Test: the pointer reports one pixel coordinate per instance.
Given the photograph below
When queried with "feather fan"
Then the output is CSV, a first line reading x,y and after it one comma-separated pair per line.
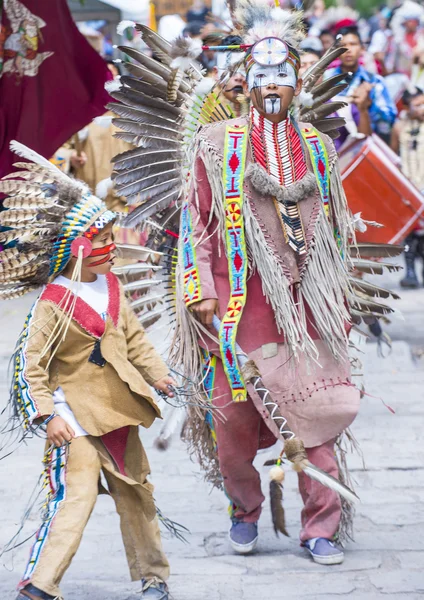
x,y
365,287
139,214
368,250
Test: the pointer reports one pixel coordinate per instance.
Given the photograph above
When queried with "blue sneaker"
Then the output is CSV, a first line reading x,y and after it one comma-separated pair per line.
x,y
243,536
324,552
154,589
33,593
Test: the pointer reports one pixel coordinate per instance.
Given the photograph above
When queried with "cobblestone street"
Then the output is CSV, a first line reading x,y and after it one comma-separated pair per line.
x,y
386,560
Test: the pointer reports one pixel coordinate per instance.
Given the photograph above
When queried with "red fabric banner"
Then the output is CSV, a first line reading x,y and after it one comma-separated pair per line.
x,y
51,79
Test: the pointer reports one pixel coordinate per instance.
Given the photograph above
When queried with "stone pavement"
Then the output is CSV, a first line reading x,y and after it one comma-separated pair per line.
x,y
386,561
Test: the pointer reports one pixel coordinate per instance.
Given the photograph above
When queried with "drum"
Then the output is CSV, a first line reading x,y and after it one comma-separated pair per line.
x,y
376,187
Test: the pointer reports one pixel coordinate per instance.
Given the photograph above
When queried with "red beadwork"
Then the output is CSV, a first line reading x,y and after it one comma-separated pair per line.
x,y
229,356
238,262
234,162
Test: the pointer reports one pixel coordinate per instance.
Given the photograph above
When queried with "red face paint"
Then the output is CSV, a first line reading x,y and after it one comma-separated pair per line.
x,y
105,252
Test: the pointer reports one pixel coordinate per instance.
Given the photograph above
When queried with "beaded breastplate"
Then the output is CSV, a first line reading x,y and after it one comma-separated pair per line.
x,y
277,148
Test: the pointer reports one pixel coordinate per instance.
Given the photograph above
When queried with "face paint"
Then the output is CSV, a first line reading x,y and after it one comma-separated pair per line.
x,y
272,106
281,75
104,252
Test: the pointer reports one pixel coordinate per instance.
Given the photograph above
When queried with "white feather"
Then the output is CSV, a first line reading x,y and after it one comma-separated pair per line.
x,y
204,87
25,152
123,25
331,482
103,188
173,420
113,86
306,99
103,121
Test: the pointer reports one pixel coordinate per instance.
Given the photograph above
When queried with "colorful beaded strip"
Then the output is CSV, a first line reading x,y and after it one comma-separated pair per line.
x,y
319,158
235,148
192,288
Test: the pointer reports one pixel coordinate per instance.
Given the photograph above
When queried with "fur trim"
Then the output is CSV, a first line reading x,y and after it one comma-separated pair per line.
x,y
185,48
265,184
103,188
123,25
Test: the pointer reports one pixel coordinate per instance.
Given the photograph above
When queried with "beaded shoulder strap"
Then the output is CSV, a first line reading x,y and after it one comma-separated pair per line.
x,y
235,148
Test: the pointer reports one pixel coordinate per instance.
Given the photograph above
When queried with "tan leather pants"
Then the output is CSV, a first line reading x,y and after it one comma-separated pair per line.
x,y
73,481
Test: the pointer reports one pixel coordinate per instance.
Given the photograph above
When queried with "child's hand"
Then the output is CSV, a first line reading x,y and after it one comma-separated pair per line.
x,y
59,432
162,385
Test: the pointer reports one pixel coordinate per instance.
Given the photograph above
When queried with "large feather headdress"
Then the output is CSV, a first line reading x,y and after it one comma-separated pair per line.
x,y
46,212
261,19
408,10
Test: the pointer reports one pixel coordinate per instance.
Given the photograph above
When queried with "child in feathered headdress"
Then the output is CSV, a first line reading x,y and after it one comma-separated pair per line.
x,y
82,373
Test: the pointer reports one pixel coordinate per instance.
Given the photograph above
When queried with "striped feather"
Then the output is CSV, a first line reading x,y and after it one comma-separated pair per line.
x,y
12,258
129,176
374,268
329,124
314,73
11,218
131,189
156,82
325,97
13,292
367,250
27,203
365,287
132,251
323,111
365,305
136,268
150,126
152,190
18,273
6,237
148,209
153,39
146,141
146,61
132,159
136,86
11,187
143,114
321,88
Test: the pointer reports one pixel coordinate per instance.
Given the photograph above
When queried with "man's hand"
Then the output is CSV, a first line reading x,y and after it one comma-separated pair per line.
x,y
162,385
205,310
59,432
361,96
78,160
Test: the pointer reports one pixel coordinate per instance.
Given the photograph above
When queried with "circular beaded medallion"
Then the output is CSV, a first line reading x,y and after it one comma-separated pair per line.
x,y
270,51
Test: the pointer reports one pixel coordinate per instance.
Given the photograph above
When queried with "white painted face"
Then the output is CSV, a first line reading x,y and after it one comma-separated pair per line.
x,y
281,75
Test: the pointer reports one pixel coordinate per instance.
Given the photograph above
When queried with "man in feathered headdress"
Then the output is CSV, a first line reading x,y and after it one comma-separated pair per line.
x,y
264,245
263,259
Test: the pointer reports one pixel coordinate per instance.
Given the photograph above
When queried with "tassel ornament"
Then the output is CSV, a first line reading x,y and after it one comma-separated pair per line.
x,y
277,476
